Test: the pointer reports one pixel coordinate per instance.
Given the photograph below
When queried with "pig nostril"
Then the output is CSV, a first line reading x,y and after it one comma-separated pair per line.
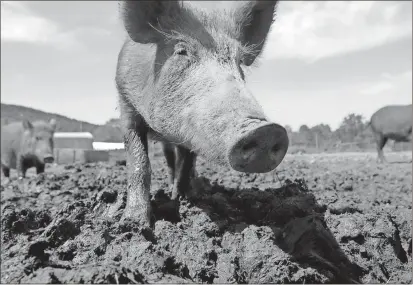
x,y
276,148
249,146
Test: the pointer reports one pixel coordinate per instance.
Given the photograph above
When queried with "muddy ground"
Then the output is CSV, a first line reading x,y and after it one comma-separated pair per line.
x,y
328,219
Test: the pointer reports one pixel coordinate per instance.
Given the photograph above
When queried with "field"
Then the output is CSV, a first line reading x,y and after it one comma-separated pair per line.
x,y
324,218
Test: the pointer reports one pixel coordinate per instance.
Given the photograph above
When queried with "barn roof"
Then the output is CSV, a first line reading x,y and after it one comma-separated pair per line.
x,y
73,135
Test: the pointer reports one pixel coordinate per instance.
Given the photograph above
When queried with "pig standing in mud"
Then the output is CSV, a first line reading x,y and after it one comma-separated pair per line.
x,y
180,81
391,122
25,144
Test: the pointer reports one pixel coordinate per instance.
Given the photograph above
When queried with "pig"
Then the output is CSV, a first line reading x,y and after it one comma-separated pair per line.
x,y
180,79
27,144
391,122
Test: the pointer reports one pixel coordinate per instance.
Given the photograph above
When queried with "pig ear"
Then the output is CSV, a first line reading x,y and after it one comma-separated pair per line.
x,y
27,125
52,123
144,19
254,18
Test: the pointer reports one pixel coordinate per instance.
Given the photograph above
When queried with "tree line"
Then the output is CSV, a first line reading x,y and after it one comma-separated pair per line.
x,y
353,134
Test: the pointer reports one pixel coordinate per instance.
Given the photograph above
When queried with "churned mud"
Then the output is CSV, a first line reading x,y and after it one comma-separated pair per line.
x,y
318,219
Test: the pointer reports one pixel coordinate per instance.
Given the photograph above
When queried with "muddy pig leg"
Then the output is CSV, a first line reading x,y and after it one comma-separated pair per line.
x,y
134,203
6,170
8,161
169,152
40,168
185,164
21,167
193,172
139,177
380,143
138,207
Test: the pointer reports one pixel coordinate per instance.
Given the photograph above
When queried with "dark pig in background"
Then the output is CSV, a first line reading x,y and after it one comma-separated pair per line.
x,y
180,78
181,167
391,122
25,144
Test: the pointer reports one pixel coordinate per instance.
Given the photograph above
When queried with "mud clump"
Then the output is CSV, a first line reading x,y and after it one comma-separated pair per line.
x,y
234,228
22,221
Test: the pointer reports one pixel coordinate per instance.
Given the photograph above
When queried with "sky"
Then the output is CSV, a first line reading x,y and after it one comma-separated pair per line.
x,y
322,60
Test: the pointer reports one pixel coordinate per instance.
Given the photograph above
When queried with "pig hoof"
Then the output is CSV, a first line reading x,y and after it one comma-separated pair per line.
x,y
175,203
139,216
177,197
175,193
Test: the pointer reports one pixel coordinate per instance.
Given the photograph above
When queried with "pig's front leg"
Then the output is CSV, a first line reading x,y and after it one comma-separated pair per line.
x,y
40,168
138,205
185,170
169,152
6,170
21,167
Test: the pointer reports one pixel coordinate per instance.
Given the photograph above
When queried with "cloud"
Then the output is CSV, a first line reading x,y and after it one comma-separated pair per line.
x,y
19,24
378,87
390,84
312,30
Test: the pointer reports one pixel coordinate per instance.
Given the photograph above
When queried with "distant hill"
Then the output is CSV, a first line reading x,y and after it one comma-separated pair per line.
x,y
109,132
13,113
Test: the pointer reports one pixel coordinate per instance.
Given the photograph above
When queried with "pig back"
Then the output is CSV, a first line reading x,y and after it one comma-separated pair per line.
x,y
394,121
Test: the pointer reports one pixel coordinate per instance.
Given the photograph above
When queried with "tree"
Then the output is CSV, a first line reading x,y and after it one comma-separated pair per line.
x,y
303,129
306,136
323,130
322,134
351,127
288,129
291,134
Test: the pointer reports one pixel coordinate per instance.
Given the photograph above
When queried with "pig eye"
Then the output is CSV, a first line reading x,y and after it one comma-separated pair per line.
x,y
38,138
181,51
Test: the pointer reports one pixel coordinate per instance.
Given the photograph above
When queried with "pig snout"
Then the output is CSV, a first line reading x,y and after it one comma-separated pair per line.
x,y
48,159
259,150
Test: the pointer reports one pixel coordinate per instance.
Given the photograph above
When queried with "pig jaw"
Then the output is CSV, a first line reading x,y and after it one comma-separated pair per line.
x,y
44,156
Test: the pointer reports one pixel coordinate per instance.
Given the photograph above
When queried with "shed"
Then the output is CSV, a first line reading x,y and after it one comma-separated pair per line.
x,y
72,155
75,140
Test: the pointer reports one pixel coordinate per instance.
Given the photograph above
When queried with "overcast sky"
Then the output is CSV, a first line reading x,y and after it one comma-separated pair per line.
x,y
323,60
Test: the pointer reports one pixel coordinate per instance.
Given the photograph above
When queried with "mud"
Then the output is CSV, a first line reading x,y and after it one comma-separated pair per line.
x,y
318,219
